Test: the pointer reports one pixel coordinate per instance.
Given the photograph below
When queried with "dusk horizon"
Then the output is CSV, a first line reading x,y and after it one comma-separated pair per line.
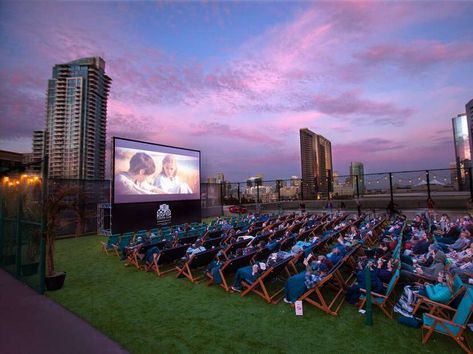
x,y
380,80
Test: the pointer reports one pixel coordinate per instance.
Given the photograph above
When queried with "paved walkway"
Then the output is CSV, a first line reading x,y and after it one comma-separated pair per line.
x,y
33,324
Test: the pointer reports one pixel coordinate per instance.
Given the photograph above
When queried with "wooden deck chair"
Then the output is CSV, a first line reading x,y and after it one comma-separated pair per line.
x,y
328,303
111,241
212,234
287,243
234,246
213,242
295,229
433,307
262,254
186,240
277,234
265,237
124,241
259,286
327,295
231,266
348,277
134,259
453,328
297,258
198,260
382,300
166,257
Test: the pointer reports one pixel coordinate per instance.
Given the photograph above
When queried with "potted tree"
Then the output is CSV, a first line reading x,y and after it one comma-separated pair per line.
x,y
60,199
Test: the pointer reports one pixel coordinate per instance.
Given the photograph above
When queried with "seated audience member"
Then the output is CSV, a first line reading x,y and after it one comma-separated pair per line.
x,y
336,255
298,284
385,269
354,293
437,266
377,252
441,291
250,273
197,247
421,245
460,244
450,235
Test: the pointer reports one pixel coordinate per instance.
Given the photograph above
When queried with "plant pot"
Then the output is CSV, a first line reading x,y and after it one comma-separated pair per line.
x,y
29,269
55,282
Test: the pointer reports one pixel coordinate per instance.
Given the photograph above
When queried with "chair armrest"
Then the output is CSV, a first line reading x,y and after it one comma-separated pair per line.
x,y
373,293
428,301
440,319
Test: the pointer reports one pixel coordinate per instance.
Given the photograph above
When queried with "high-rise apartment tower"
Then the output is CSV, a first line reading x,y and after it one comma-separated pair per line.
x,y
357,169
76,119
462,150
316,164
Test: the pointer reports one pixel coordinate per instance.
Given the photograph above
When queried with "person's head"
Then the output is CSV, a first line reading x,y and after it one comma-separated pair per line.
x,y
169,166
441,277
393,263
323,269
465,234
141,166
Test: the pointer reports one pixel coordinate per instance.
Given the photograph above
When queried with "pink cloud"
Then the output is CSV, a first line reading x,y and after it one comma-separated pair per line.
x,y
418,54
242,133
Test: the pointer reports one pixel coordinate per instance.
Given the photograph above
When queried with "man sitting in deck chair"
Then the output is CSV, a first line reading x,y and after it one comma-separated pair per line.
x,y
298,284
250,273
337,253
197,247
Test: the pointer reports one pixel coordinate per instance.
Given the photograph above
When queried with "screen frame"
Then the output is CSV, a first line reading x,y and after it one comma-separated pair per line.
x,y
114,138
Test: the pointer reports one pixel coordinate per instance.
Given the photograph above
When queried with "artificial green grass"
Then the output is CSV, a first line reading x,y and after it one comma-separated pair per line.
x,y
147,314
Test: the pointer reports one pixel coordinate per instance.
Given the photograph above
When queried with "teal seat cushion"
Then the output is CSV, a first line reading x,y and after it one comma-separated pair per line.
x,y
429,321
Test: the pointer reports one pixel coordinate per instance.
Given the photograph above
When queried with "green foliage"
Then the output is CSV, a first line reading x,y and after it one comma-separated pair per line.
x,y
146,314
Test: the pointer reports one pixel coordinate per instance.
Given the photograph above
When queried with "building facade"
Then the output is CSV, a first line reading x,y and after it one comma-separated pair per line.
x,y
316,165
357,170
76,115
462,150
469,121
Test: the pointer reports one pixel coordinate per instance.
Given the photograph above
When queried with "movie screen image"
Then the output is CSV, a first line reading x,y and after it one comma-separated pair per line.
x,y
145,172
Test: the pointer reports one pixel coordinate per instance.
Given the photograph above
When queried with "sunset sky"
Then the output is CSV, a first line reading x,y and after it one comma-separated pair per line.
x,y
237,80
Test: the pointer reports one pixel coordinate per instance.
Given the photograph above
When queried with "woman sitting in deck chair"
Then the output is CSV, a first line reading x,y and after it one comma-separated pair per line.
x,y
440,292
298,284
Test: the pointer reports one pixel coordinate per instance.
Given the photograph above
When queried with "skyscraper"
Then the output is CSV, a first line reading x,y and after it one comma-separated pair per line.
x,y
39,139
76,119
357,169
316,164
469,120
462,150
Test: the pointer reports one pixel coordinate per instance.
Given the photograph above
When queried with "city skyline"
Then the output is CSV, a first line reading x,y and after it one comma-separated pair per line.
x,y
237,81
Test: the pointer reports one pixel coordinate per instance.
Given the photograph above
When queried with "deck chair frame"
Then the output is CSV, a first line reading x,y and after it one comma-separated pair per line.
x,y
159,268
460,338
242,261
189,266
259,287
